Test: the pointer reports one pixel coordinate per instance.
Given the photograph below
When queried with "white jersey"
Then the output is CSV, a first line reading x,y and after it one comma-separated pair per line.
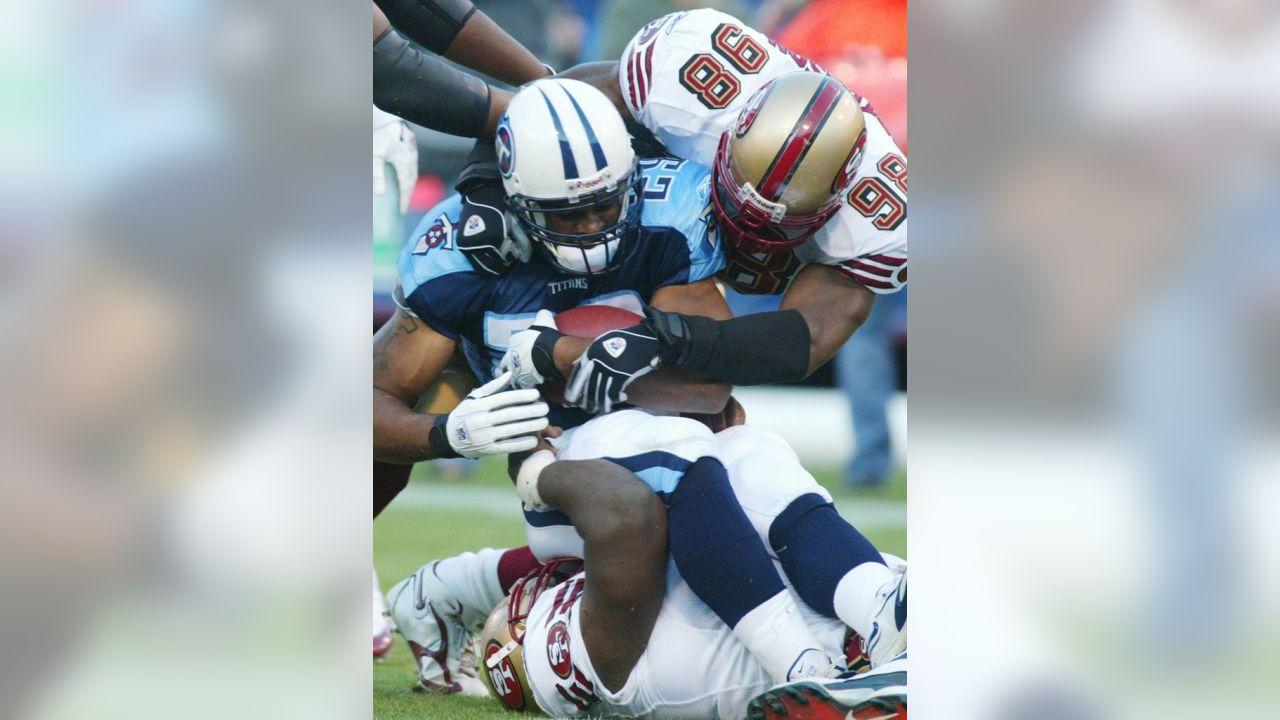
x,y
693,666
685,77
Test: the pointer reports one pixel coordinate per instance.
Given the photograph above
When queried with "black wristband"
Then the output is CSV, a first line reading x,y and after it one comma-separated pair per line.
x,y
684,341
543,353
438,438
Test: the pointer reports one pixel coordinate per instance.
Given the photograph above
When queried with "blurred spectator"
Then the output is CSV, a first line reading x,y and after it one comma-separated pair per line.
x,y
621,19
868,376
831,27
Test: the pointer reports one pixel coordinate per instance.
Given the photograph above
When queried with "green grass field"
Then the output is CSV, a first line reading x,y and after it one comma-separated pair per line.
x,y
437,518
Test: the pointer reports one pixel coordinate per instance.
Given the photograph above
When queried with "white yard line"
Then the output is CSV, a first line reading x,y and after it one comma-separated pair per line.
x,y
502,502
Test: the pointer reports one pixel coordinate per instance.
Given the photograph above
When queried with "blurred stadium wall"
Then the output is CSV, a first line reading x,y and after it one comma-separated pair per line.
x,y
1094,440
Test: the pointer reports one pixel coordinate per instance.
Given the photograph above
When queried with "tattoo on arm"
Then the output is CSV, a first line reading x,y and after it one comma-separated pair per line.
x,y
382,343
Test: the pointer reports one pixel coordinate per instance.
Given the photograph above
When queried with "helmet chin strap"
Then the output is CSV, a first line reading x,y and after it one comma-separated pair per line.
x,y
496,658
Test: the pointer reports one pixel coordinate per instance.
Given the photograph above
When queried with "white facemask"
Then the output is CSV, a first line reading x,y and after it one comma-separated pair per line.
x,y
593,260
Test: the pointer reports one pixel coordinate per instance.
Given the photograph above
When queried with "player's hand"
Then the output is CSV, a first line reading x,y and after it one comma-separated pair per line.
x,y
525,469
613,361
529,355
516,460
491,240
395,143
491,421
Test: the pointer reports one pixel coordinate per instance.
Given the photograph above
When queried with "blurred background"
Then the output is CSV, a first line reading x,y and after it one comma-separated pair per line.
x,y
1094,455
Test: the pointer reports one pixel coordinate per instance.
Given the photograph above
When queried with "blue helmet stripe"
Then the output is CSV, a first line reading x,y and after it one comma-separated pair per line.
x,y
566,153
596,151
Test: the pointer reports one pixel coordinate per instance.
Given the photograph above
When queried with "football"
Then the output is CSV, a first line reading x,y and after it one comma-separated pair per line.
x,y
594,320
587,321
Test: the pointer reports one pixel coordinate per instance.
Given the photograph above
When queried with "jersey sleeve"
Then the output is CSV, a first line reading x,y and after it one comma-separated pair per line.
x,y
563,681
867,238
685,77
437,282
677,197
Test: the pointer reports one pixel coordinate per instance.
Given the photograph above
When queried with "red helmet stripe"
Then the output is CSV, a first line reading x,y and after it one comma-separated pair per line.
x,y
632,80
805,131
647,77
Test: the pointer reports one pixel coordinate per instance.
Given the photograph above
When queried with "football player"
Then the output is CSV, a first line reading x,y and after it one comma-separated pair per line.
x,y
809,194
694,665
608,231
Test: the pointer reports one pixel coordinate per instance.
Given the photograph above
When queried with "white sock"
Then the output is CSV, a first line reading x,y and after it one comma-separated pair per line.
x,y
472,579
776,634
855,597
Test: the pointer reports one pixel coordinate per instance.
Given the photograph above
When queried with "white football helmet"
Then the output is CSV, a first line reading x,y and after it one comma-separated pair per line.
x,y
562,149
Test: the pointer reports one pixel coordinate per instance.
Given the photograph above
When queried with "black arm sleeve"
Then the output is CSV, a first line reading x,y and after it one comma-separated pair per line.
x,y
750,350
433,24
424,89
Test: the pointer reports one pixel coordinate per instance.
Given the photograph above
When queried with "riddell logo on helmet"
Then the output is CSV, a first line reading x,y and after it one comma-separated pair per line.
x,y
586,184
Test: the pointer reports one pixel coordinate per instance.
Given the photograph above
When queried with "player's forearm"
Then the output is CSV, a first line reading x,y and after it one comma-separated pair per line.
x,y
487,48
424,89
827,333
569,348
674,390
400,435
433,24
832,305
749,350
609,506
603,76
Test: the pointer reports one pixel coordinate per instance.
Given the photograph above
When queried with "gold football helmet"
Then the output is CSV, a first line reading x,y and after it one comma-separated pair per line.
x,y
782,168
500,662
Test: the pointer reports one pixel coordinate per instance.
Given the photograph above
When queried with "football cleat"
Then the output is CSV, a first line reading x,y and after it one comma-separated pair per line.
x,y
888,637
813,663
880,694
430,619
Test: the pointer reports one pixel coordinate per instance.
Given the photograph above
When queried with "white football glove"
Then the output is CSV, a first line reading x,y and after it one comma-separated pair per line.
x,y
529,352
394,143
490,422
